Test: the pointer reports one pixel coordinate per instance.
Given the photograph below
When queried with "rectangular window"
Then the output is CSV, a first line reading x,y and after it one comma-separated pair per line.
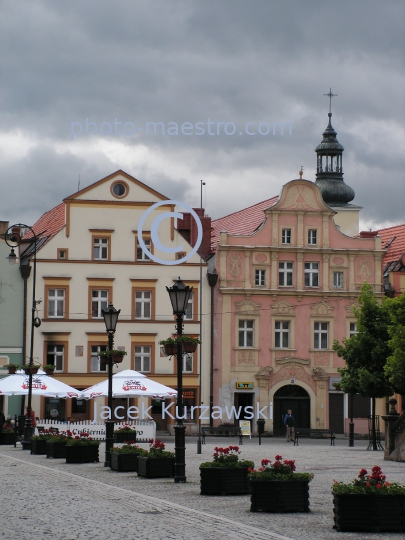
x,y
260,278
94,360
187,363
353,329
143,358
99,301
55,355
311,236
286,236
311,274
245,333
282,335
100,249
56,302
285,274
321,335
189,315
143,302
338,280
140,254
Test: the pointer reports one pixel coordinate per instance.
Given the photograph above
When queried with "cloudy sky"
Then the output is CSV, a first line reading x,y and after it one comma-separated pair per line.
x,y
221,73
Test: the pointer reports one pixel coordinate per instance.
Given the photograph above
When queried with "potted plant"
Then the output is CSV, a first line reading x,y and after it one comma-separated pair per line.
x,y
38,442
31,369
49,369
189,344
369,503
56,444
336,386
116,356
276,487
125,458
125,433
156,462
8,434
226,474
12,368
82,449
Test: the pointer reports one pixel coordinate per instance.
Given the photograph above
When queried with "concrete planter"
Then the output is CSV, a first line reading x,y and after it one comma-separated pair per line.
x,y
82,453
7,437
38,446
124,462
122,436
56,450
160,467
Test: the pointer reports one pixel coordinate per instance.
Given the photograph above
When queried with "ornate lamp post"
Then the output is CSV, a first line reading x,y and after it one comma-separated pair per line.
x,y
13,239
110,318
179,296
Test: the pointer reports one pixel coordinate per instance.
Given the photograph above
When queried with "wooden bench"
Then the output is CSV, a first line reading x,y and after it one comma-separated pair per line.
x,y
314,433
221,431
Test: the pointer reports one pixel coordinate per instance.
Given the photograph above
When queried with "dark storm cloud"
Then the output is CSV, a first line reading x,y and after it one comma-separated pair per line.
x,y
180,61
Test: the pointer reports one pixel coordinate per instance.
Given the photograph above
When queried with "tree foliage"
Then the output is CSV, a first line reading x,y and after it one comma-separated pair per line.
x,y
395,367
366,352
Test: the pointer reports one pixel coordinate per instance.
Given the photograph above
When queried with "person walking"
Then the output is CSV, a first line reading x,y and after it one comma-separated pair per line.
x,y
289,423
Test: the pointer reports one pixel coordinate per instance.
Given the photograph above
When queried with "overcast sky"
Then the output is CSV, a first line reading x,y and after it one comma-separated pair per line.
x,y
241,65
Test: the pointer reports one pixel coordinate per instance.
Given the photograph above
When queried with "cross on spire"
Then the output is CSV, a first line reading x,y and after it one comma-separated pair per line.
x,y
330,99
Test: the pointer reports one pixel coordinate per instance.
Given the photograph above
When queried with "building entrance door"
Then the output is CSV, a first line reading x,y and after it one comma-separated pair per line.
x,y
243,400
294,397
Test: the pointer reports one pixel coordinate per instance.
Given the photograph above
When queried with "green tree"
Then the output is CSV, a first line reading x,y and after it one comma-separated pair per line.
x,y
395,367
366,352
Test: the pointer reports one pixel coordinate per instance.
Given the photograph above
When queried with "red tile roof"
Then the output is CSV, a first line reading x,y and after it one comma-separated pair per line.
x,y
244,221
49,224
393,239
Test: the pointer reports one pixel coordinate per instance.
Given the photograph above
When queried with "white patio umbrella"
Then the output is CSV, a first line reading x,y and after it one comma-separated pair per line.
x,y
129,383
42,385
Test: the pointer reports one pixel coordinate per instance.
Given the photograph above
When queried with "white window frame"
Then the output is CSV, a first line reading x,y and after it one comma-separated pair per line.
x,y
286,236
100,301
56,303
282,334
100,248
285,273
144,303
58,354
260,277
94,359
312,237
246,333
352,329
189,314
321,335
338,280
311,274
140,254
142,355
188,363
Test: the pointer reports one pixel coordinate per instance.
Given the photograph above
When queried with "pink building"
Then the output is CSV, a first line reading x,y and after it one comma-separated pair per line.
x,y
290,271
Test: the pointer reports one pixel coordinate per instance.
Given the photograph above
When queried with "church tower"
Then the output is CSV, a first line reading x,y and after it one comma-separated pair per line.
x,y
329,179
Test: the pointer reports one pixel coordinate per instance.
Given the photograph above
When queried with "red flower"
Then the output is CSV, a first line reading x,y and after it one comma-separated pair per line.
x,y
378,486
278,457
367,484
362,473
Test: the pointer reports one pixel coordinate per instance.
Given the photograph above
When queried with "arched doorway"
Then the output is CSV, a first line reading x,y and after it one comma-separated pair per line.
x,y
294,397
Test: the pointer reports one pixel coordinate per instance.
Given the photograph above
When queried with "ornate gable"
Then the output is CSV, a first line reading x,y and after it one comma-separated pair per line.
x,y
282,308
322,308
247,307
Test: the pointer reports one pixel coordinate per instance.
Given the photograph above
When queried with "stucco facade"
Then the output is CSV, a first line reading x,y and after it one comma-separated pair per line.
x,y
94,259
285,292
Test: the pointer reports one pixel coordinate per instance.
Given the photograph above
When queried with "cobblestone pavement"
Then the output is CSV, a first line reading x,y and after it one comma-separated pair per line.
x,y
42,498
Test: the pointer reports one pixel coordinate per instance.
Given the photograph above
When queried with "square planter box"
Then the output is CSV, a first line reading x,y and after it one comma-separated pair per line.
x,y
38,446
122,436
124,462
156,467
371,513
7,437
279,496
82,454
224,481
55,450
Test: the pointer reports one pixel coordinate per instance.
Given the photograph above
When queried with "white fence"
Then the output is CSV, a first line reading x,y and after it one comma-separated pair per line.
x,y
145,430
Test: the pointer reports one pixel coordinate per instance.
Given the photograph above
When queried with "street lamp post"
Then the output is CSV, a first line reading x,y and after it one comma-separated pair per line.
x,y
110,318
351,423
13,239
179,296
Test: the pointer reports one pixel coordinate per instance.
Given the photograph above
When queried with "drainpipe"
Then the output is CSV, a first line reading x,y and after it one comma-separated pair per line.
x,y
212,281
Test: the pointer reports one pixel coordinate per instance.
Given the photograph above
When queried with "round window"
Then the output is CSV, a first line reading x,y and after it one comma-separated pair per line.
x,y
119,189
